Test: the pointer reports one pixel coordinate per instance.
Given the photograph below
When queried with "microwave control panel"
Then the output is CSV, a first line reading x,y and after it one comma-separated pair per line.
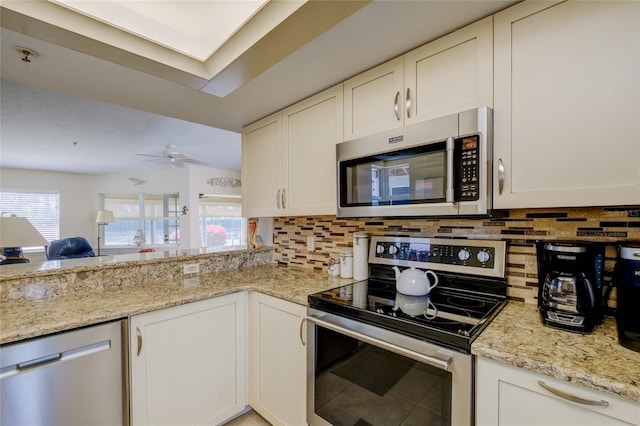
x,y
468,170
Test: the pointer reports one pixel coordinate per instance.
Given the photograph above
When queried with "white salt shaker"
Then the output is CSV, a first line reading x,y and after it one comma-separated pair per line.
x,y
346,264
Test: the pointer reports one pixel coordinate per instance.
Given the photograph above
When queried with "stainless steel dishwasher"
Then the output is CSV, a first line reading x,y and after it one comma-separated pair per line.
x,y
78,377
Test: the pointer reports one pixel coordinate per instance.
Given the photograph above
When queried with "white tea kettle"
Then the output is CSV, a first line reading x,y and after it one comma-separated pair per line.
x,y
415,306
414,282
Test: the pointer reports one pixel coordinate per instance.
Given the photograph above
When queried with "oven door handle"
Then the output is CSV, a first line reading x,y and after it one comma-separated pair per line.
x,y
440,361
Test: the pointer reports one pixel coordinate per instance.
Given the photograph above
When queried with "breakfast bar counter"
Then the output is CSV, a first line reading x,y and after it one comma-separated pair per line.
x,y
33,316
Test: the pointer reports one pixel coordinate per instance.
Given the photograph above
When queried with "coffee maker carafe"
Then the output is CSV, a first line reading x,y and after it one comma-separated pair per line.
x,y
570,284
627,280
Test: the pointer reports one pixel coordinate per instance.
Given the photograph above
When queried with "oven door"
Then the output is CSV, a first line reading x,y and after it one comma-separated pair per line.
x,y
359,374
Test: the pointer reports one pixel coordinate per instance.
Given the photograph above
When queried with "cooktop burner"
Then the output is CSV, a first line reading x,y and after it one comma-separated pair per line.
x,y
444,316
471,289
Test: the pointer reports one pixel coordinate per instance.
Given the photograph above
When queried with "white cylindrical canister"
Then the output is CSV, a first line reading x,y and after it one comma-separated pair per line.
x,y
346,264
334,267
360,256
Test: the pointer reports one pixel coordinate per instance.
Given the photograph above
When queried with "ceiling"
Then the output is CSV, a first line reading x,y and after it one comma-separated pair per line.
x,y
85,105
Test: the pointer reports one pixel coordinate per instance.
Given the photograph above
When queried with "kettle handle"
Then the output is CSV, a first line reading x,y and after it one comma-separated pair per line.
x,y
435,279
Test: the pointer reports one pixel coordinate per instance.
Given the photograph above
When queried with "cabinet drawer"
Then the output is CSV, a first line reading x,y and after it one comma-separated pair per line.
x,y
507,395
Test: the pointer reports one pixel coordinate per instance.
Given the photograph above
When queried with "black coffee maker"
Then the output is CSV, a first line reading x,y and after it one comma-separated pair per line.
x,y
570,284
627,280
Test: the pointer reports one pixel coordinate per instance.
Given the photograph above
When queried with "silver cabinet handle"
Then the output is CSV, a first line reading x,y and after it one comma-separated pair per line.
x,y
500,176
408,100
139,337
278,199
396,105
302,323
284,199
573,398
440,361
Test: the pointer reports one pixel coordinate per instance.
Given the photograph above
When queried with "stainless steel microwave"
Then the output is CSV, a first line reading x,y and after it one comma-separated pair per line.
x,y
440,167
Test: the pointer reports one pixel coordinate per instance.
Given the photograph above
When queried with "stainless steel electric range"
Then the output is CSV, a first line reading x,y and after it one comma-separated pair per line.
x,y
381,357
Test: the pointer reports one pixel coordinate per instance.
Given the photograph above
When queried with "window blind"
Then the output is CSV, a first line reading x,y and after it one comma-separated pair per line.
x,y
42,209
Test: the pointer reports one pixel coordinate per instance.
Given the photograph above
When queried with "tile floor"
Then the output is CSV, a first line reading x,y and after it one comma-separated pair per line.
x,y
250,418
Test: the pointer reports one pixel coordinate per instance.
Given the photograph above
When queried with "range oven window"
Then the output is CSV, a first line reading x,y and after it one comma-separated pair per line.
x,y
360,384
409,176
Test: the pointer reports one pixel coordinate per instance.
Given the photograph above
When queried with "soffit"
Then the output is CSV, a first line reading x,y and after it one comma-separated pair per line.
x,y
277,28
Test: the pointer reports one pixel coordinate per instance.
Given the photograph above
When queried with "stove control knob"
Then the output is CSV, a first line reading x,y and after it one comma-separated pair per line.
x,y
464,255
483,256
379,249
393,249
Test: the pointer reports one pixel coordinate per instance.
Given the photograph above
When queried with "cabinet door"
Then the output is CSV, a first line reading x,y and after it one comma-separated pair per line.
x,y
277,365
373,100
512,396
311,130
262,167
188,363
567,104
451,74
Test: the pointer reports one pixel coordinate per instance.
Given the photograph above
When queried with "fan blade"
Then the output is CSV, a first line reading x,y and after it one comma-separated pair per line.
x,y
178,163
192,161
152,155
153,159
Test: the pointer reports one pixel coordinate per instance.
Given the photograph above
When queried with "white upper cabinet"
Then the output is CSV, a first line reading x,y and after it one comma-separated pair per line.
x,y
567,104
289,159
451,74
311,130
262,167
374,100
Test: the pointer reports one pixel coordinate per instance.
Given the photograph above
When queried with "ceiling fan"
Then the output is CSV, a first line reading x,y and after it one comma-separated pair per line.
x,y
176,158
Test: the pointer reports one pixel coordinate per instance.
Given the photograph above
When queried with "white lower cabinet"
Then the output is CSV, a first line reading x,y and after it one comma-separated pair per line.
x,y
188,363
507,395
277,360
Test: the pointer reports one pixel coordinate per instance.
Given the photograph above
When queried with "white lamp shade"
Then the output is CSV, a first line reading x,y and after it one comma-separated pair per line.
x,y
19,232
105,216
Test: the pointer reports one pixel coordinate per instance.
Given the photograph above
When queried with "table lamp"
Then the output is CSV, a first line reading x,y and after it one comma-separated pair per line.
x,y
139,238
17,232
104,218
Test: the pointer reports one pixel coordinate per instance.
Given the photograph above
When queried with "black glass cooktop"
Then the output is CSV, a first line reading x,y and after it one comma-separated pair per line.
x,y
448,315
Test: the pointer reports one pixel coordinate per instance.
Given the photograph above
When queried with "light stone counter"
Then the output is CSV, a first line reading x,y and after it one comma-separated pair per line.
x,y
517,337
30,317
51,267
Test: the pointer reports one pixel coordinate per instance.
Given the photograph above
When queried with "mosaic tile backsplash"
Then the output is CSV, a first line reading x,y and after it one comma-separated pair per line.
x,y
520,228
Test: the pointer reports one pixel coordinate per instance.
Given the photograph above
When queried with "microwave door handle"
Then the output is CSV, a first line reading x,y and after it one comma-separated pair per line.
x,y
449,195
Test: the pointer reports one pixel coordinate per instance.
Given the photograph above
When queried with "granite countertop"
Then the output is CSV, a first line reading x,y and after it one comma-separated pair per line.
x,y
52,267
32,317
515,337
596,360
